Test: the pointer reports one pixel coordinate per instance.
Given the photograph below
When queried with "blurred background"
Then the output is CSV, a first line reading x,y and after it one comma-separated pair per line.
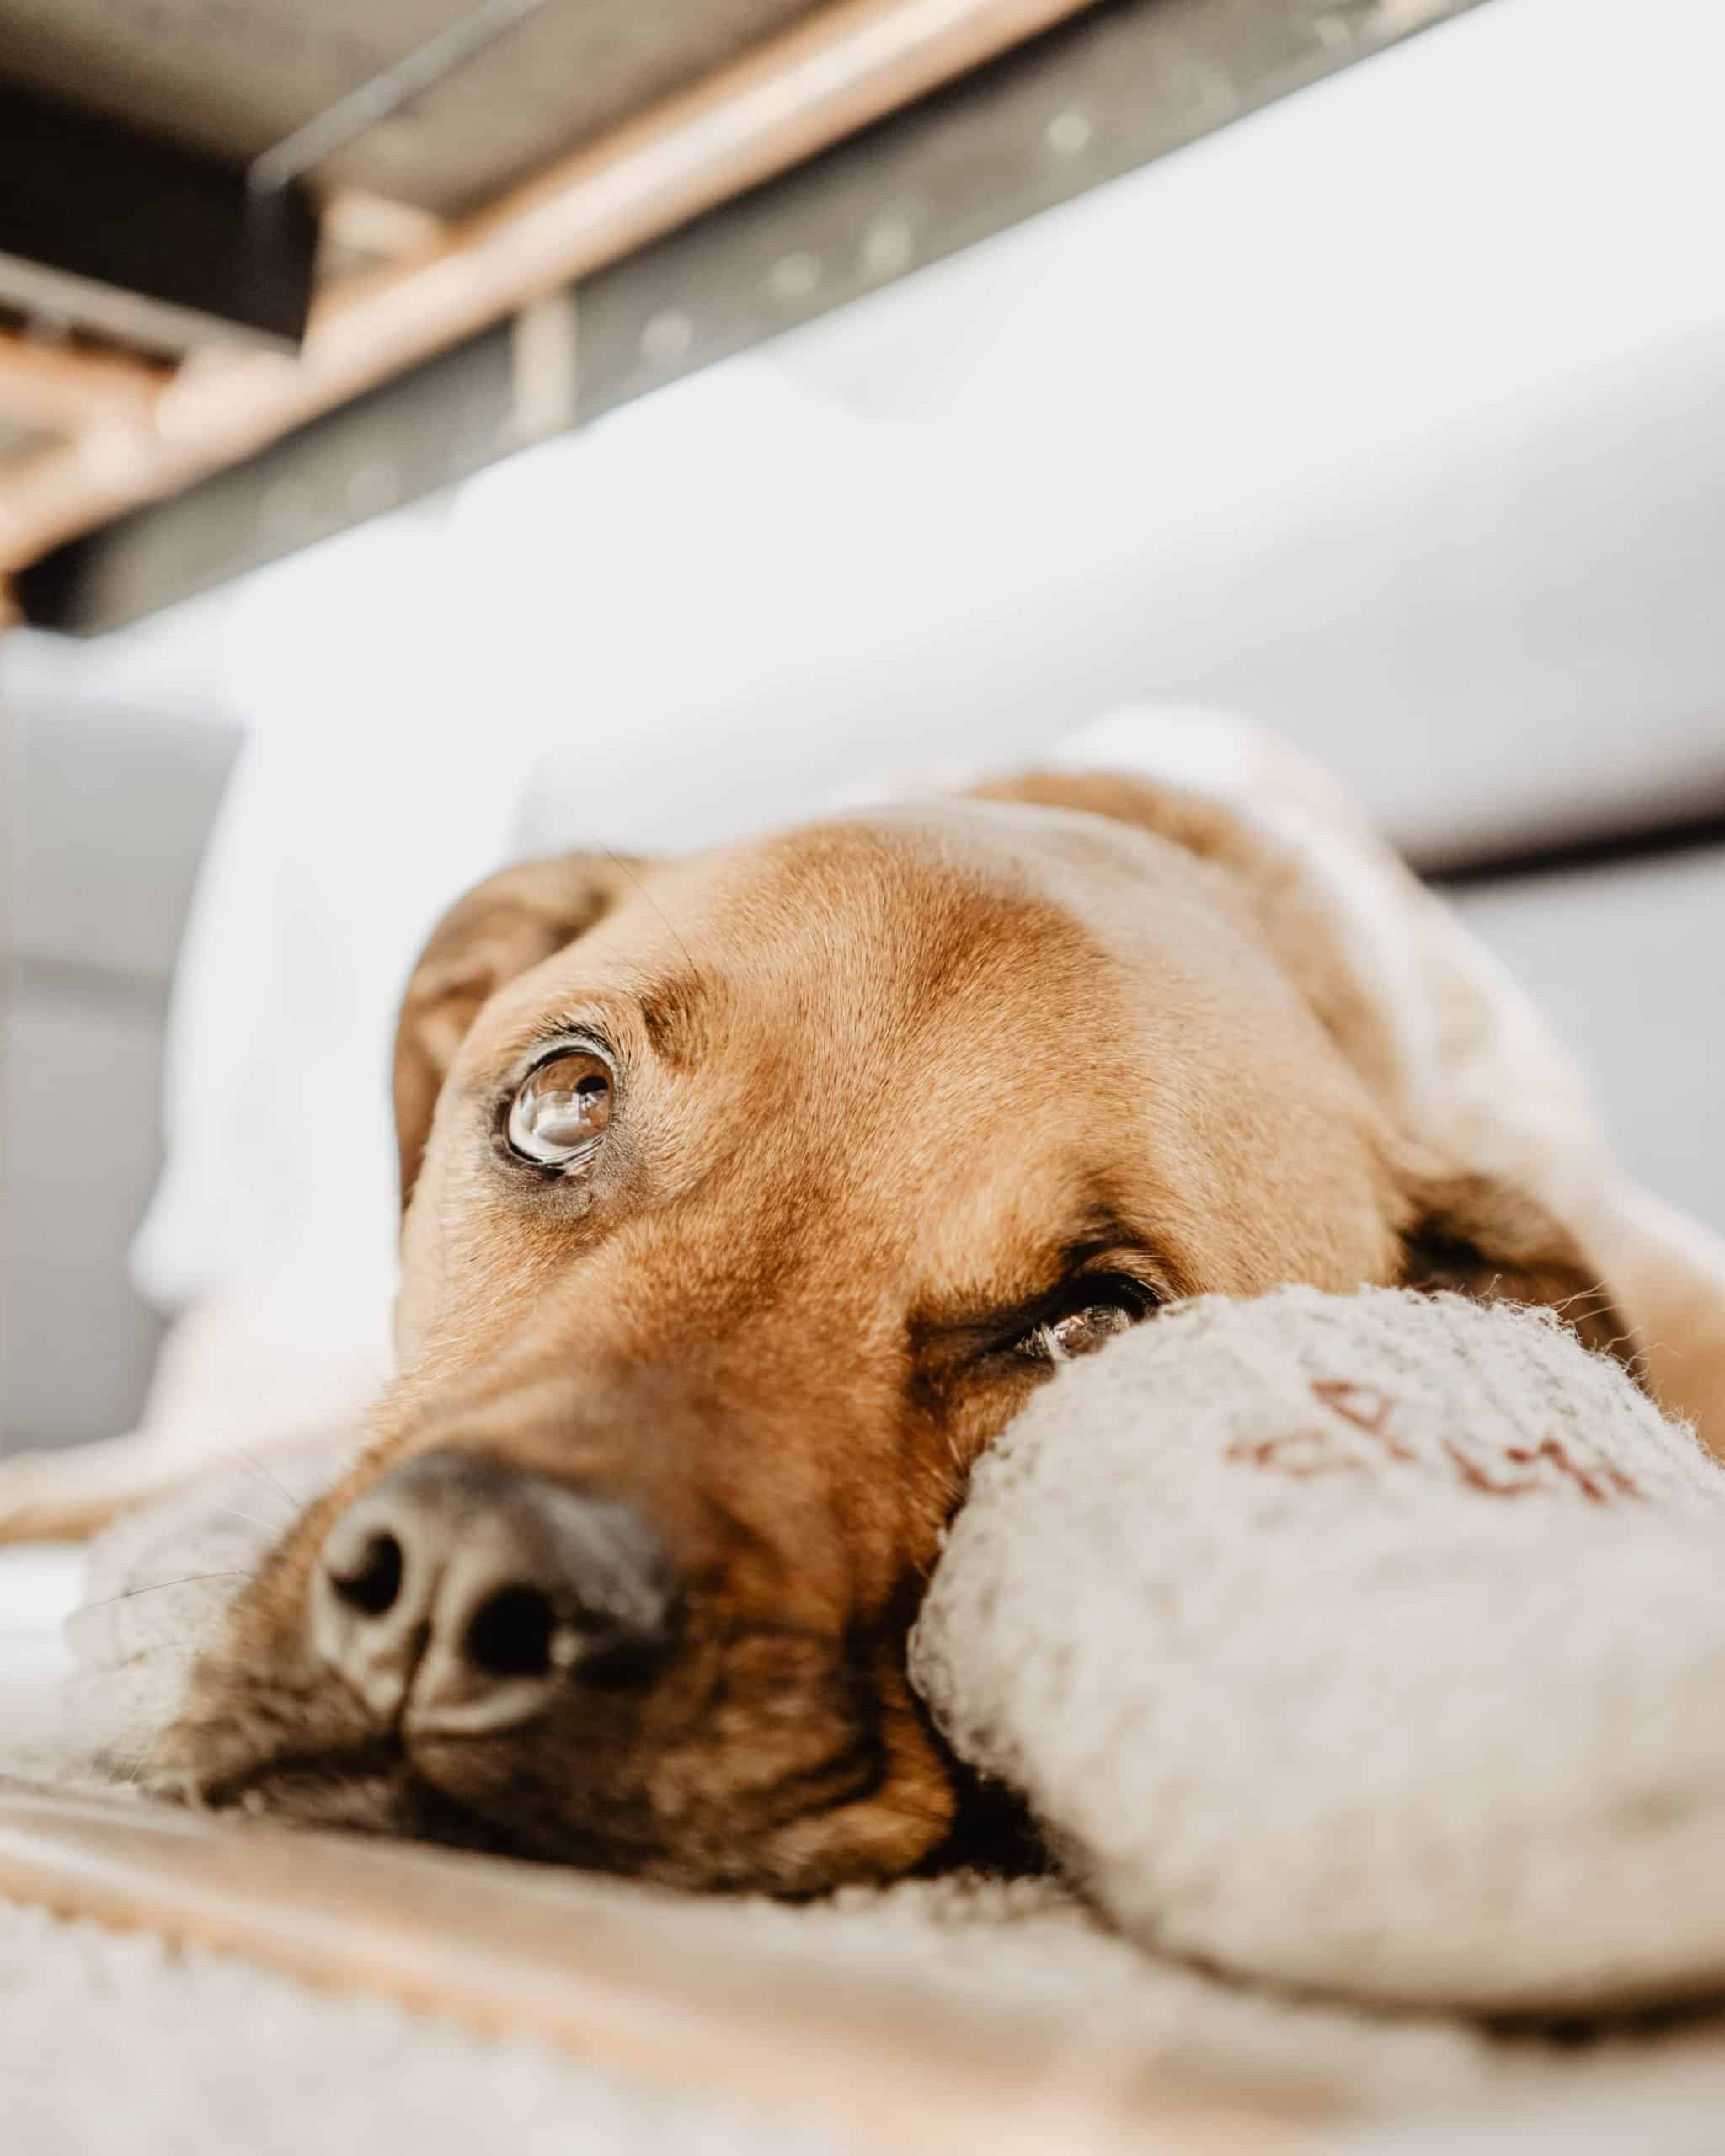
x,y
1250,354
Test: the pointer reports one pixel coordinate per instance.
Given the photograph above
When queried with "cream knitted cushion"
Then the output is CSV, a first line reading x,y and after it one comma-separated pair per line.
x,y
1372,1642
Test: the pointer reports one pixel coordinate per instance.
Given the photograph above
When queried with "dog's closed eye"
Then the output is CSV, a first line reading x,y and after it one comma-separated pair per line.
x,y
1095,1309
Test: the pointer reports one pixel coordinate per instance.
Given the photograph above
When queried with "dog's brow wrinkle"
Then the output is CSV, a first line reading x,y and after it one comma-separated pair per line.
x,y
669,1016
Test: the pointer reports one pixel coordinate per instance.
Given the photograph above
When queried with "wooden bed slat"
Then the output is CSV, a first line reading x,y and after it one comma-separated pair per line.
x,y
62,386
649,1983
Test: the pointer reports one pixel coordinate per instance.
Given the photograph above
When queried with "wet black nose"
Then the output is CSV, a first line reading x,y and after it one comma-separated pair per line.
x,y
458,1594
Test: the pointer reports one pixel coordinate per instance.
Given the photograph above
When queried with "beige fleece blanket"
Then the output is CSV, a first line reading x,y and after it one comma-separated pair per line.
x,y
1264,1802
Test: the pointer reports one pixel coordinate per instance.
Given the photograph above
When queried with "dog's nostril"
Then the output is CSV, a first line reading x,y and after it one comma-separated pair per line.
x,y
371,1585
509,1634
457,1595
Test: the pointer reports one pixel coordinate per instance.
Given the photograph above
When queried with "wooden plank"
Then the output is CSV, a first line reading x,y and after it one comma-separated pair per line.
x,y
60,386
659,1986
844,67
233,77
1119,84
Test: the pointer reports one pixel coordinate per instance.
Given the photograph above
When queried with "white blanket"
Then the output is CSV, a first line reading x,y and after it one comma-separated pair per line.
x,y
1272,1701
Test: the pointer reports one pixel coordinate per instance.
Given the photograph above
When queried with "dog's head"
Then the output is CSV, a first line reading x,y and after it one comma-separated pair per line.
x,y
746,1199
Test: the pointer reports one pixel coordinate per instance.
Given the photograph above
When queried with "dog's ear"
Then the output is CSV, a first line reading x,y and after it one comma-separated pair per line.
x,y
1477,1236
505,925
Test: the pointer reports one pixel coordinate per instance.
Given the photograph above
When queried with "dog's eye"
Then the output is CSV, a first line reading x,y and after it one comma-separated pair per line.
x,y
1108,1307
558,1116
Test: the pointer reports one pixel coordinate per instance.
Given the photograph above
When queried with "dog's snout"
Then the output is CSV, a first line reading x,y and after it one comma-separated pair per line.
x,y
457,1595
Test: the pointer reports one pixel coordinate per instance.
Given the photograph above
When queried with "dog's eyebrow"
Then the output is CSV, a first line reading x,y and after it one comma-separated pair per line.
x,y
1099,1234
669,1009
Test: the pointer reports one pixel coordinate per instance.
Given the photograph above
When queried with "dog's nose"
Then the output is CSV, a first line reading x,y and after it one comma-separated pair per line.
x,y
457,1595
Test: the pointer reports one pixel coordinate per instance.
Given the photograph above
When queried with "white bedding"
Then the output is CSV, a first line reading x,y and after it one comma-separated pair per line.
x,y
40,1585
108,2040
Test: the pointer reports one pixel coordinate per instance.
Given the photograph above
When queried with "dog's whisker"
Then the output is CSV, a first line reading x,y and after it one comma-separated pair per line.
x,y
175,1648
269,1527
157,1587
618,862
130,1781
241,1455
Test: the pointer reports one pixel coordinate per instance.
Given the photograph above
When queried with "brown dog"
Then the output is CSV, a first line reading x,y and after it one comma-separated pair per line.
x,y
747,1198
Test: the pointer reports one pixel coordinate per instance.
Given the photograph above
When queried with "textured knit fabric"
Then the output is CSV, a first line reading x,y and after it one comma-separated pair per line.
x,y
1373,1643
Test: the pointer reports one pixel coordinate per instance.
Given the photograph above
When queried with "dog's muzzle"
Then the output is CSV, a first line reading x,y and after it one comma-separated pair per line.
x,y
457,1596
